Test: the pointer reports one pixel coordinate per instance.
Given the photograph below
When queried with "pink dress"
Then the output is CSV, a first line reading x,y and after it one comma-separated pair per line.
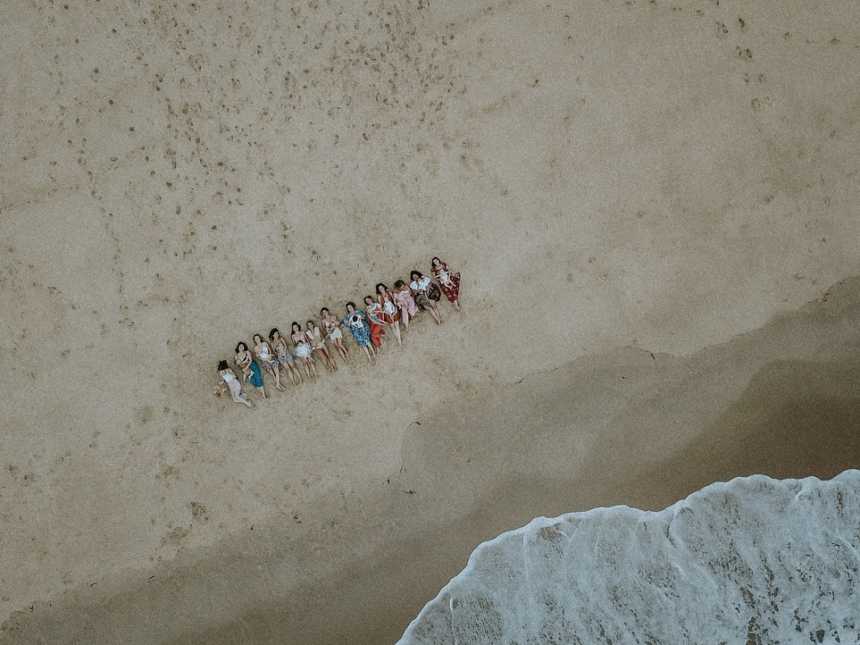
x,y
403,298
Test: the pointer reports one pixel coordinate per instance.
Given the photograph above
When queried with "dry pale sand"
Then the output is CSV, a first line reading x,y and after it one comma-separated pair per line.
x,y
643,197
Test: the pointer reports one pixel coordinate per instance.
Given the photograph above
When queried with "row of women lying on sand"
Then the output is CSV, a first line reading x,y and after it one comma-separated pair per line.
x,y
323,340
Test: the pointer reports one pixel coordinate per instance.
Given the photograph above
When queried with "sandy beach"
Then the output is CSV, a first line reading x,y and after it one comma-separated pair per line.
x,y
653,206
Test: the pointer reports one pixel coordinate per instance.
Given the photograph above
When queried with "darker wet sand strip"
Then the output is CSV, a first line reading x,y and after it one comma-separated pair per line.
x,y
627,427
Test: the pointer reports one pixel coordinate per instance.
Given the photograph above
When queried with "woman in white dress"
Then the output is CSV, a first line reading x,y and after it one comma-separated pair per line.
x,y
315,335
331,326
268,360
302,349
228,380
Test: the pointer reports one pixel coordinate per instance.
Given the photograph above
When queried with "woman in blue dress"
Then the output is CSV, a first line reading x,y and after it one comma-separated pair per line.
x,y
356,322
250,370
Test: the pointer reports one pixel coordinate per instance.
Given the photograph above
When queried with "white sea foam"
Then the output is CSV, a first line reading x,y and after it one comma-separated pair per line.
x,y
752,561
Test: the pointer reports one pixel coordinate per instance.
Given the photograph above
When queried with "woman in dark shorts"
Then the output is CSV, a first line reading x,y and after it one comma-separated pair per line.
x,y
422,286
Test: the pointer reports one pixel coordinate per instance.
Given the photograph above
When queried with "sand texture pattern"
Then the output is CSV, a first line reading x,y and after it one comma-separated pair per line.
x,y
654,206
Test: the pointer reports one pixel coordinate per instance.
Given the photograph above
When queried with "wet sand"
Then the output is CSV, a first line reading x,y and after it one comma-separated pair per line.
x,y
642,199
783,400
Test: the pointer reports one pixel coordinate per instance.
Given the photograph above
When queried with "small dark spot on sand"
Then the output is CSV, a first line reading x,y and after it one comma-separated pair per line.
x,y
199,511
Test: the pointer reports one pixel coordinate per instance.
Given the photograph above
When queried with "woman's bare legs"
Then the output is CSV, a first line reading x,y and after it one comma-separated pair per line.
x,y
288,370
369,352
276,374
326,358
310,367
341,348
330,359
242,399
435,313
404,316
396,328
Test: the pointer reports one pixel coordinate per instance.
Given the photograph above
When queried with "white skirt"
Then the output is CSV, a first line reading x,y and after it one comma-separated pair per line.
x,y
303,350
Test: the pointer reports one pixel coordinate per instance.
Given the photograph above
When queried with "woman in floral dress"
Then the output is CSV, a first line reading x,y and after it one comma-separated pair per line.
x,y
356,321
376,320
263,352
390,310
285,358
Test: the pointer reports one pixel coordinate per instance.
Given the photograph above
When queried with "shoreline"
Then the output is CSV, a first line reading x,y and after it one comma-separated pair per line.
x,y
375,589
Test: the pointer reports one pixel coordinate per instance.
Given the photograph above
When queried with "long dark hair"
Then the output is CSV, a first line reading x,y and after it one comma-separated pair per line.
x,y
399,284
350,304
243,345
273,332
293,326
324,309
366,297
383,285
222,365
416,272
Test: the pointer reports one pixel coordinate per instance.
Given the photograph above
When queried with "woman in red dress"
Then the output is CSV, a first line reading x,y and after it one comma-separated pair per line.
x,y
376,321
448,280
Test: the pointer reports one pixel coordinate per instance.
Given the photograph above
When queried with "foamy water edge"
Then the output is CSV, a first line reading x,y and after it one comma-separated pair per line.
x,y
487,602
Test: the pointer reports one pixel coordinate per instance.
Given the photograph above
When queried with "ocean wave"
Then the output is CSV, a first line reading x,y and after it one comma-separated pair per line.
x,y
751,561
